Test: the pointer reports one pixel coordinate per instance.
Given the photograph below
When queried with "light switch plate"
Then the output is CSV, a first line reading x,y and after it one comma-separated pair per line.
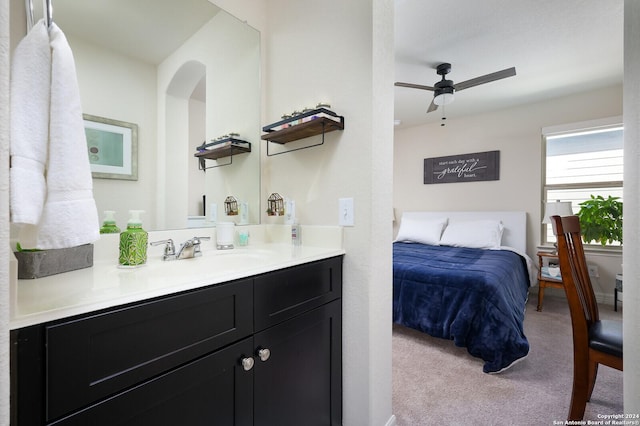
x,y
345,212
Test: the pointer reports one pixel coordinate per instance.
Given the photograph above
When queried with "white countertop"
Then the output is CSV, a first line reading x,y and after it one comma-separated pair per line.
x,y
106,284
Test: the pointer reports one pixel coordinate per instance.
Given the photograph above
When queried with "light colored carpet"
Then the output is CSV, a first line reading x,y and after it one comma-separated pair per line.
x,y
437,383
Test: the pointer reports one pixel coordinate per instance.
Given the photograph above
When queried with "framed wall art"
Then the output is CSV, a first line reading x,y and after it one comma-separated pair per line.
x,y
478,166
112,146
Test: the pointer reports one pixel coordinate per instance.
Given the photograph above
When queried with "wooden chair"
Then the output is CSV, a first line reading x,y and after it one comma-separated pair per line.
x,y
595,341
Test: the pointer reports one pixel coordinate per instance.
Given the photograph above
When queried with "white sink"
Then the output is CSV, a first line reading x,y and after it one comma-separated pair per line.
x,y
241,252
218,261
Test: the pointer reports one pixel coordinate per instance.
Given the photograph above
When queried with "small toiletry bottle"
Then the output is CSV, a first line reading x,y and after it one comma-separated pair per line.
x,y
307,118
296,120
109,223
133,241
296,234
285,125
243,238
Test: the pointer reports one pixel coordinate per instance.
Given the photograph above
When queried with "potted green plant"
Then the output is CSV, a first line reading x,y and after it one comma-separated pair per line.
x,y
601,219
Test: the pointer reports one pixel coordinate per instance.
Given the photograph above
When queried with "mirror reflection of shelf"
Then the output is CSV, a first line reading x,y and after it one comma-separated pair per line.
x,y
227,147
314,122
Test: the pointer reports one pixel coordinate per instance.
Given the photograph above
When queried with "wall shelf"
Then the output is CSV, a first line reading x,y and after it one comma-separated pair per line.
x,y
315,122
220,149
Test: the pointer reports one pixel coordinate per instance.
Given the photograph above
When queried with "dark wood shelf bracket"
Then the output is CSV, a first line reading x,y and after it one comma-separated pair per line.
x,y
295,149
226,151
316,126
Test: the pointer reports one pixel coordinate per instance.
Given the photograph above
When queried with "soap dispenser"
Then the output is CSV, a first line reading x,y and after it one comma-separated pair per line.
x,y
133,241
109,224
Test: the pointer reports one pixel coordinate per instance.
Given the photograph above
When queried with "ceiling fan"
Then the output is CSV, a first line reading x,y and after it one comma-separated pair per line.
x,y
444,89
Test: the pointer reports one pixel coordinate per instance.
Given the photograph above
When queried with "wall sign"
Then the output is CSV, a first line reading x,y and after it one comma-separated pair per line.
x,y
462,168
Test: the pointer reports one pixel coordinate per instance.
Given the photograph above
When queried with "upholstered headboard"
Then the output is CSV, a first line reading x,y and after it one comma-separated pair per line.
x,y
515,223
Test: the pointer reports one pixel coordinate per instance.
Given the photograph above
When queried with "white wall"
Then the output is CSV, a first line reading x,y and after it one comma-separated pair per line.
x,y
174,171
197,134
516,133
122,88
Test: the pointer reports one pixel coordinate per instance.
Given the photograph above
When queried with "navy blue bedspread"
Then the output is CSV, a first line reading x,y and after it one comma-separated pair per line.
x,y
474,297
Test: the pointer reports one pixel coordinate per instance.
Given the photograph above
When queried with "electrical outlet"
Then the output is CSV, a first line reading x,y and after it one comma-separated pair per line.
x,y
593,270
345,212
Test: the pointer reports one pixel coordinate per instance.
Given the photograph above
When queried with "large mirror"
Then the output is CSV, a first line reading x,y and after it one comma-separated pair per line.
x,y
184,72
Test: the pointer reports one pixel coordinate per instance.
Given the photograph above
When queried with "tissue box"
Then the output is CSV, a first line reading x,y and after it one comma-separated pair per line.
x,y
38,264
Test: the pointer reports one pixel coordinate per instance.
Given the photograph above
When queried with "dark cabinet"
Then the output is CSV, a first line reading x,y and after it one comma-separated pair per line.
x,y
263,350
90,358
301,381
284,294
212,390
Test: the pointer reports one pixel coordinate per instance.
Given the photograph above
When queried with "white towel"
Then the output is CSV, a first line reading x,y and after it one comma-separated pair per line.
x,y
30,99
70,217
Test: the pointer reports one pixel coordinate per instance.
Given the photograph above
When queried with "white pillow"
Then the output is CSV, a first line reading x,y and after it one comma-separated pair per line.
x,y
476,234
425,231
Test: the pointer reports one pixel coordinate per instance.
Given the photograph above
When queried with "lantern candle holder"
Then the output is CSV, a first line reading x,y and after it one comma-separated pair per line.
x,y
231,206
275,205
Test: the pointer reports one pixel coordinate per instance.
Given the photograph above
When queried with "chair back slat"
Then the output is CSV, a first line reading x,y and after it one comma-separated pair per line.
x,y
582,271
575,271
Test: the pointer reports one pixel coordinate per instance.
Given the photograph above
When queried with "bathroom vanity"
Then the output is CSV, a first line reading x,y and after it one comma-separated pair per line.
x,y
260,349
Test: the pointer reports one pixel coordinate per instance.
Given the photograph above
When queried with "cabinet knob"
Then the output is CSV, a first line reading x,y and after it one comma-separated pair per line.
x,y
247,363
264,354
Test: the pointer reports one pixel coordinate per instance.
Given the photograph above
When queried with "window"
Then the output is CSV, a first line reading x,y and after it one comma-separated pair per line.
x,y
582,160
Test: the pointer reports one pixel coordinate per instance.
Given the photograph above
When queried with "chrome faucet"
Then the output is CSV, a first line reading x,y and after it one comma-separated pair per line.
x,y
189,249
169,249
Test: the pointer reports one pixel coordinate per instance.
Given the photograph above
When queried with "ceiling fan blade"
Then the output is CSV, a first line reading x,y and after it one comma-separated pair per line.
x,y
432,107
509,72
414,86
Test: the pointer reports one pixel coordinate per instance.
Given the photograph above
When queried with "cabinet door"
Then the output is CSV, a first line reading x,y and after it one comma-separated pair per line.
x,y
91,358
27,376
284,294
301,381
214,390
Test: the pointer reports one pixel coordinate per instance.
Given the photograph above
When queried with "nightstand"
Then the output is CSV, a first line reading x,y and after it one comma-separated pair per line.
x,y
546,280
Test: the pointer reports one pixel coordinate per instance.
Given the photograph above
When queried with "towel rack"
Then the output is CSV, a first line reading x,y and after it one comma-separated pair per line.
x,y
46,7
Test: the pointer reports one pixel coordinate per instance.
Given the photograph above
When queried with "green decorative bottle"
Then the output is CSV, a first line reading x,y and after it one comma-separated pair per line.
x,y
133,241
109,224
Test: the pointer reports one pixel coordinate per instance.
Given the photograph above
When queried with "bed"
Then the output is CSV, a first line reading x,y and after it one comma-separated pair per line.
x,y
465,276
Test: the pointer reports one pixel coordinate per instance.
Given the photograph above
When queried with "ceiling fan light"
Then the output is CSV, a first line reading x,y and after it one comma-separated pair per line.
x,y
443,99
